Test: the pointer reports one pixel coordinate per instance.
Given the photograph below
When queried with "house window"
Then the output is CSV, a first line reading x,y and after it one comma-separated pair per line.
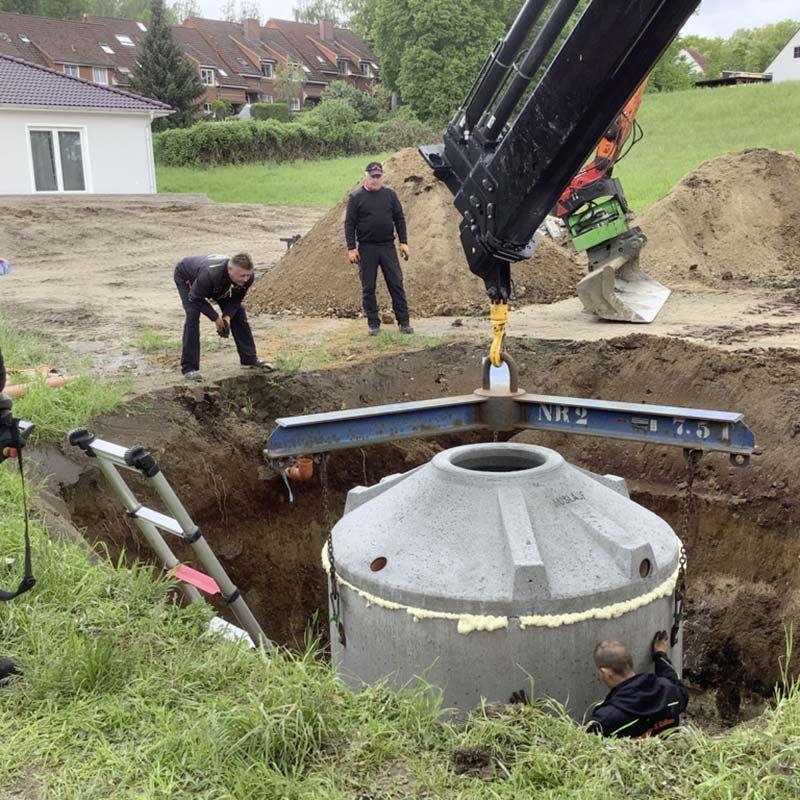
x,y
295,104
797,52
266,98
207,109
125,40
267,69
106,49
72,69
57,158
100,75
366,69
343,65
207,76
142,26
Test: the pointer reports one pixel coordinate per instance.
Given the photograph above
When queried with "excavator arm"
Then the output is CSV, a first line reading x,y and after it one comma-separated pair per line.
x,y
596,214
506,175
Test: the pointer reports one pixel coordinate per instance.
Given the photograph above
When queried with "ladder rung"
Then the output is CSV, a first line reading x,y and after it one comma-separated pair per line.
x,y
160,520
205,583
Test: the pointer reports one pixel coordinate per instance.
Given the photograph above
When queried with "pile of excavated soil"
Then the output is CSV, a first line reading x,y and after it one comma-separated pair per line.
x,y
734,220
315,278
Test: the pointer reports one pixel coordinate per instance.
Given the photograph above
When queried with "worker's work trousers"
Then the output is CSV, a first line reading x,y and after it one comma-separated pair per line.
x,y
372,256
240,330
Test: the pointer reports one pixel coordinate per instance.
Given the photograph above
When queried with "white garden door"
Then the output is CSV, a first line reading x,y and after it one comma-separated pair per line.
x,y
57,159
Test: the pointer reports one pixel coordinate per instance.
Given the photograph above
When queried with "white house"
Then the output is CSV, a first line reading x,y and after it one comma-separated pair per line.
x,y
64,134
695,60
786,66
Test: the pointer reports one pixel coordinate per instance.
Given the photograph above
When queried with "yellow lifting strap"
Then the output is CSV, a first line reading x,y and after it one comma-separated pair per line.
x,y
499,316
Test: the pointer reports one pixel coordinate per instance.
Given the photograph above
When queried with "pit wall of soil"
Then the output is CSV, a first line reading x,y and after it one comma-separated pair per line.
x,y
741,539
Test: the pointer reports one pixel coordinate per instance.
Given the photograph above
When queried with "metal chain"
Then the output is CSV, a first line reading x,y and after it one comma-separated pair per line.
x,y
335,617
687,510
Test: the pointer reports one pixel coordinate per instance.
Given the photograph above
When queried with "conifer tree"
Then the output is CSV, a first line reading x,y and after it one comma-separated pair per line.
x,y
163,73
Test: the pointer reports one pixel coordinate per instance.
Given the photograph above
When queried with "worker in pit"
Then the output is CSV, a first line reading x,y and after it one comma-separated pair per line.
x,y
225,281
373,215
637,705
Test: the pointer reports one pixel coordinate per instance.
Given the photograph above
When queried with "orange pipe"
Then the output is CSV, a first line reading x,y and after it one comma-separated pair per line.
x,y
302,471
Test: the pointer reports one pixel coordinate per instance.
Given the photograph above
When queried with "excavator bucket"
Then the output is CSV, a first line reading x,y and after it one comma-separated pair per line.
x,y
619,290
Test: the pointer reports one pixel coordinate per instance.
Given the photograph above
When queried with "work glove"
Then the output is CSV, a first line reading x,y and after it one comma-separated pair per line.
x,y
404,251
660,643
223,326
353,256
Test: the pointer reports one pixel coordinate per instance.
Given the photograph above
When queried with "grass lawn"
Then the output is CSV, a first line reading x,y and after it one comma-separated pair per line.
x,y
682,129
299,183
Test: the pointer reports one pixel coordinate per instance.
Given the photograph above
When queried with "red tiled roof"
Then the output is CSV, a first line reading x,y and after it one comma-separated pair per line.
x,y
195,45
25,84
304,35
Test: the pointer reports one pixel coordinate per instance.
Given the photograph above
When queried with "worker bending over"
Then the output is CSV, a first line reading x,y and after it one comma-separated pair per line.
x,y
225,281
373,214
637,705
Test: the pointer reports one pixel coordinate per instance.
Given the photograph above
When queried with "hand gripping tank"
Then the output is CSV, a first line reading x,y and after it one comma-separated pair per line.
x,y
494,564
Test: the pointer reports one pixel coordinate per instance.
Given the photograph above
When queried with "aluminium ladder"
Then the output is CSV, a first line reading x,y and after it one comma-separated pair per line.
x,y
109,458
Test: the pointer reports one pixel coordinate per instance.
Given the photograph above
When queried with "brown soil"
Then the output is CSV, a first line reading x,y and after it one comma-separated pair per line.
x,y
315,278
97,271
209,443
734,220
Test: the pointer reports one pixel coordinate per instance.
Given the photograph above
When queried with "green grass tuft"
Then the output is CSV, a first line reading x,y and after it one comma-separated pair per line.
x,y
153,341
297,183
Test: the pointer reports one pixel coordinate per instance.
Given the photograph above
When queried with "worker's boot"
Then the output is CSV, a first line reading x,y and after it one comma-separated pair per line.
x,y
374,331
260,364
406,329
192,375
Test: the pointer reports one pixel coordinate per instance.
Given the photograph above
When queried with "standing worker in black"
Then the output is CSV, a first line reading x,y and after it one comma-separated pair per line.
x,y
637,705
373,214
225,281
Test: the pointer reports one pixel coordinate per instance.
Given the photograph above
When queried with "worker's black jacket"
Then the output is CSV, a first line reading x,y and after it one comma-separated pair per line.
x,y
643,705
373,216
209,280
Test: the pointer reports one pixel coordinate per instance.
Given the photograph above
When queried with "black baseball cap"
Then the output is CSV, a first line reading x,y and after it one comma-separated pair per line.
x,y
374,168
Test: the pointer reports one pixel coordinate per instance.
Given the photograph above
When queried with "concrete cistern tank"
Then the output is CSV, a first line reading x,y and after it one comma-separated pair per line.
x,y
495,562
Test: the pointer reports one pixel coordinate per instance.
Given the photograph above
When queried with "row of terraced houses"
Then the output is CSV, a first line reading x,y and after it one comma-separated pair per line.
x,y
236,62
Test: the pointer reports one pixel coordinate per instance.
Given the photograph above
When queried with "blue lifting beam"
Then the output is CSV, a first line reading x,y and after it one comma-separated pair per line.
x,y
508,408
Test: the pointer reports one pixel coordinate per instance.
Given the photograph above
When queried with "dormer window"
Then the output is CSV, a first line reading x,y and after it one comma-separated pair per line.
x,y
366,69
207,76
267,69
343,65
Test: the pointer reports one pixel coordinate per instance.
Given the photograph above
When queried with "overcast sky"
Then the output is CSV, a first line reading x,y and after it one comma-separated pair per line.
x,y
715,18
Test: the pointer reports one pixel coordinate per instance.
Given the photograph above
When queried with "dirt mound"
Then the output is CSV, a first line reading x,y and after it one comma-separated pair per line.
x,y
734,220
315,278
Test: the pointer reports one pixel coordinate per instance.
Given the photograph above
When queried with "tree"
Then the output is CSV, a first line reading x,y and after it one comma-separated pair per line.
x,y
62,9
249,9
671,73
365,105
163,73
228,11
317,10
287,84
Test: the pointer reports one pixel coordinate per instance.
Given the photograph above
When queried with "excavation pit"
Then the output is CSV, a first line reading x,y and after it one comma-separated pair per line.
x,y
739,528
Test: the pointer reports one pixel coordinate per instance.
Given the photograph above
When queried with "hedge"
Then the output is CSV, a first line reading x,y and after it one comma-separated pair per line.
x,y
278,111
243,141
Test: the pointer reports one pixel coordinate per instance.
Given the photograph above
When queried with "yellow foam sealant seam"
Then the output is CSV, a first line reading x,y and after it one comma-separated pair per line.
x,y
467,623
